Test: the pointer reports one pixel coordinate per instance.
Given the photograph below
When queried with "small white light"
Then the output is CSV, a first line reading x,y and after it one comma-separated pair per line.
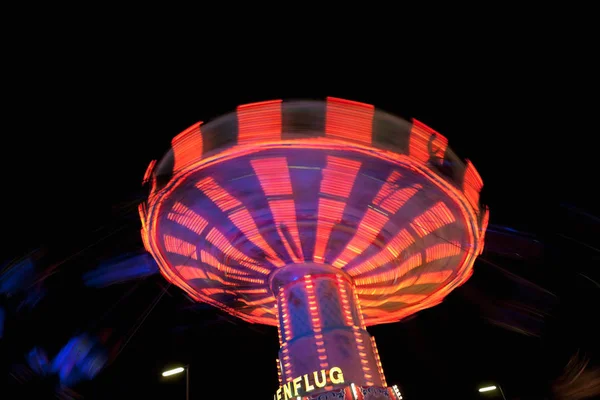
x,y
173,371
487,389
354,394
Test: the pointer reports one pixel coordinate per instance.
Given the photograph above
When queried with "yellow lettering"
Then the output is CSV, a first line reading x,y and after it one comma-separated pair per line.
x,y
287,390
307,386
323,379
336,375
296,383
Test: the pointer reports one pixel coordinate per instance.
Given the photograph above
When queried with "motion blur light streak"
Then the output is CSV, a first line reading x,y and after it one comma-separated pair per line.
x,y
81,359
318,230
38,361
17,276
19,279
578,381
120,270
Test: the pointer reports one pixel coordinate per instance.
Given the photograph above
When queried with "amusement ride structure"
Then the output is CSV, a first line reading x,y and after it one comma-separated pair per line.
x,y
320,218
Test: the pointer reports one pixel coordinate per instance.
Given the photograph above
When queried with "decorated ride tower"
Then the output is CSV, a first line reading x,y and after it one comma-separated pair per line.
x,y
320,218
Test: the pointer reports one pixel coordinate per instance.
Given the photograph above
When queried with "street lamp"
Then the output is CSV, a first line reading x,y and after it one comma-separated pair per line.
x,y
178,370
492,388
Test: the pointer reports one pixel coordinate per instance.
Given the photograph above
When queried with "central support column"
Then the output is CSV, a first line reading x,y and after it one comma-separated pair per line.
x,y
321,327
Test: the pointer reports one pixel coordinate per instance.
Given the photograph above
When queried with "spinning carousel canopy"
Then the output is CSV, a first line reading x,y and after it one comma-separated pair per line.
x,y
337,183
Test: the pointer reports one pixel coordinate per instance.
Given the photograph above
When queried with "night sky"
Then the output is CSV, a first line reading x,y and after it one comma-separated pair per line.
x,y
80,132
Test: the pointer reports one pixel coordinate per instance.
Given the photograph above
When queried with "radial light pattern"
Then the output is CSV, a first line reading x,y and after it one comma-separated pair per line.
x,y
334,182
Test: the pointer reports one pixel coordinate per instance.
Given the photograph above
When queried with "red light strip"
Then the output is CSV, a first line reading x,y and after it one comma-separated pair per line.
x,y
388,188
279,373
442,250
361,318
190,272
396,200
434,218
241,218
211,260
484,224
378,361
391,251
285,315
265,300
261,311
143,212
345,301
145,240
215,277
287,334
329,214
211,291
390,198
422,279
178,246
279,333
186,217
403,298
432,277
284,213
423,145
174,277
273,175
148,173
368,228
390,275
472,185
259,121
428,222
218,240
358,337
187,147
372,223
314,311
361,345
245,223
217,194
339,176
253,291
287,365
433,253
349,120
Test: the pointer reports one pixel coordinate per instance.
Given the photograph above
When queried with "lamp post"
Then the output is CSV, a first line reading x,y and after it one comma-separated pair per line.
x,y
178,370
492,388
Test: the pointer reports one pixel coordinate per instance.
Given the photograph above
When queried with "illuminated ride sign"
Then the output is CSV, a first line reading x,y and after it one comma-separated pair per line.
x,y
309,382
